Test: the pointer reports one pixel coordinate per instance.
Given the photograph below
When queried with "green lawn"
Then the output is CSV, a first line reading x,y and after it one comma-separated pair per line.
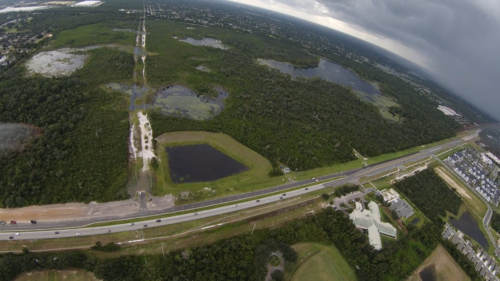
x,y
328,264
100,33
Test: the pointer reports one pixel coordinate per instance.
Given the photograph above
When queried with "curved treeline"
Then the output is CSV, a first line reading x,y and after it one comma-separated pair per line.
x,y
244,257
430,194
309,123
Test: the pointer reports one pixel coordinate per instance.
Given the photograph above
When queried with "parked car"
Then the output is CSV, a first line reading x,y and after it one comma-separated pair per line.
x,y
13,222
32,222
158,220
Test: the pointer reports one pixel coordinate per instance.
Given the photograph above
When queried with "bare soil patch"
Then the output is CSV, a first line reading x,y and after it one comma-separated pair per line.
x,y
440,171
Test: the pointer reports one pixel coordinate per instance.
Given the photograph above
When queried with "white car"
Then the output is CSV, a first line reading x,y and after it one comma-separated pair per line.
x,y
78,234
234,206
131,223
17,234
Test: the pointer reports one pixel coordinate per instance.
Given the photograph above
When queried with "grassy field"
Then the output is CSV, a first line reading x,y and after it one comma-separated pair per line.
x,y
60,275
258,173
445,267
328,264
92,34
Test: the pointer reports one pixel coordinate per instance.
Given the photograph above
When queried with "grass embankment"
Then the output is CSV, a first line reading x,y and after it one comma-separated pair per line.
x,y
445,267
59,275
319,262
100,33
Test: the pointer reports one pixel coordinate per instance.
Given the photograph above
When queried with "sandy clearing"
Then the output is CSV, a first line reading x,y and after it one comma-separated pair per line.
x,y
440,171
69,211
133,150
146,137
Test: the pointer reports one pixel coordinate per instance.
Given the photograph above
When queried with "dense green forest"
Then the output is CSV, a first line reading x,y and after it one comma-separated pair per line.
x,y
303,123
244,257
495,222
81,154
430,194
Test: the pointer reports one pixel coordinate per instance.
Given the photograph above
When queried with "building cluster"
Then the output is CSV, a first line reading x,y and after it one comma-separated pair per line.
x,y
478,171
485,265
369,220
397,204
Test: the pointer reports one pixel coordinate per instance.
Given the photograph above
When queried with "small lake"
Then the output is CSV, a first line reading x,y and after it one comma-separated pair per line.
x,y
180,101
428,273
200,163
336,73
61,62
210,42
135,92
470,227
415,221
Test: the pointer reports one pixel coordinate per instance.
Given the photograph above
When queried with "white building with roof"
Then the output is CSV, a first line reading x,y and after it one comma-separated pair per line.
x,y
370,220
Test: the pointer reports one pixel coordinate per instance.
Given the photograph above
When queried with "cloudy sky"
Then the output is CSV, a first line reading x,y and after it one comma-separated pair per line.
x,y
458,41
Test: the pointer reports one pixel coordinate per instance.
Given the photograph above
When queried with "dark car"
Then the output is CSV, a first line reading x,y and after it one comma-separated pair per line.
x,y
13,222
145,225
281,197
284,194
158,220
57,232
307,188
32,222
257,201
11,237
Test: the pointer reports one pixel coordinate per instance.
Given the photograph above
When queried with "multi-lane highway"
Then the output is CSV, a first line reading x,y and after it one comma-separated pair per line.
x,y
44,230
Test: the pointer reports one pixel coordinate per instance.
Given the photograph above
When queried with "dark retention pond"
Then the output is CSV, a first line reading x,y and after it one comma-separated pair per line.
x,y
428,273
200,163
468,225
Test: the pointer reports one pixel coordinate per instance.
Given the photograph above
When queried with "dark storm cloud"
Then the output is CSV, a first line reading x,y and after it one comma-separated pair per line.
x,y
460,39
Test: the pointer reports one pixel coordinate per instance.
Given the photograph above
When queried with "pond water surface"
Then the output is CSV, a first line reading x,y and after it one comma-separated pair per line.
x,y
210,42
200,163
61,62
181,102
335,73
468,225
428,273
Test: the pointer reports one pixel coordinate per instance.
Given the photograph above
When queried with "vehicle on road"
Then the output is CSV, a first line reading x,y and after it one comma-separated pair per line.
x,y
17,234
158,220
281,197
307,188
11,237
257,201
234,206
2,223
78,234
32,221
13,222
145,225
284,194
109,230
131,223
57,232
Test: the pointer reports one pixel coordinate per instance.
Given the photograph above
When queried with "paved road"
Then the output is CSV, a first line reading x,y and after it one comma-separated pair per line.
x,y
44,230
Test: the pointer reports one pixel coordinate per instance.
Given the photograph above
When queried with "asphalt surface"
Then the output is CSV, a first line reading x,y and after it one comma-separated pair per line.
x,y
46,230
